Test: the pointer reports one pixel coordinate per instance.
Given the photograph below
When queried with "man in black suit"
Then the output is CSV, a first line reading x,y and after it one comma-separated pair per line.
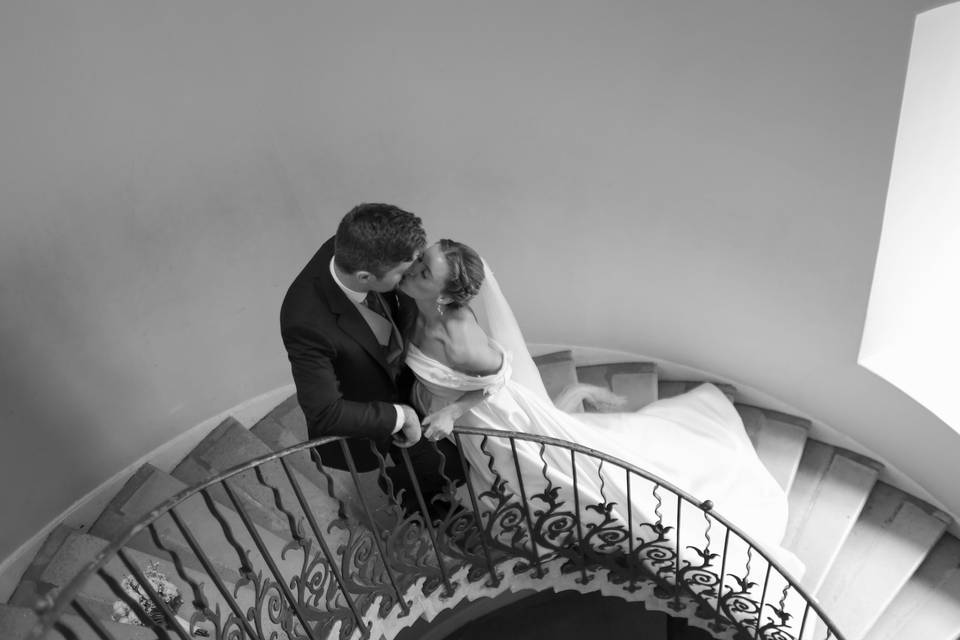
x,y
343,325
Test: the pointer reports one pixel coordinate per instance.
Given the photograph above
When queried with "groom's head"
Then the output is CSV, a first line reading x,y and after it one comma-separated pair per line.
x,y
376,243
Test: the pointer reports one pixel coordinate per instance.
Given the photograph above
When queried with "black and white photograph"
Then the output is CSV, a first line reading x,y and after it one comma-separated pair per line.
x,y
533,320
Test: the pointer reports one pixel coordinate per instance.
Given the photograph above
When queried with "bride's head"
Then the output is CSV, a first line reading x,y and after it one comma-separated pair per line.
x,y
448,272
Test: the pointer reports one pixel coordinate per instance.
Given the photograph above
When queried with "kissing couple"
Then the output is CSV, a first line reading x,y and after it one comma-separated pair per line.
x,y
393,342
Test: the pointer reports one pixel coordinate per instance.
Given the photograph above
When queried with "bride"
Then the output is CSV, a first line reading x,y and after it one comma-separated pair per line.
x,y
473,368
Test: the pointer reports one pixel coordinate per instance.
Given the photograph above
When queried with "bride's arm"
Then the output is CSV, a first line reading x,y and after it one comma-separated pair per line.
x,y
439,424
468,350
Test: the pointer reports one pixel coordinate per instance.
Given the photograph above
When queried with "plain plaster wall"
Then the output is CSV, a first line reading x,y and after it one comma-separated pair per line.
x,y
911,337
698,181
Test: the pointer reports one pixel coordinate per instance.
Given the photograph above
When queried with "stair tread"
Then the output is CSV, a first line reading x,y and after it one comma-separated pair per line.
x,y
26,591
271,506
929,603
636,381
17,621
76,553
340,482
779,444
671,388
557,370
290,415
892,527
155,486
825,500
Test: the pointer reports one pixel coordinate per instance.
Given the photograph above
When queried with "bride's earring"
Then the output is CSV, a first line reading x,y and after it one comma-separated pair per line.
x,y
439,308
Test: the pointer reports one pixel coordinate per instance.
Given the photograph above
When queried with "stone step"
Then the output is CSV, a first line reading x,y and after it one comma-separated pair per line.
x,y
16,622
928,605
267,492
289,414
557,371
76,552
294,561
148,488
829,491
778,438
671,388
636,381
29,589
279,437
893,535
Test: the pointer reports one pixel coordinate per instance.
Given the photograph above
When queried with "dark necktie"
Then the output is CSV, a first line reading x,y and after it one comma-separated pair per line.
x,y
395,346
373,302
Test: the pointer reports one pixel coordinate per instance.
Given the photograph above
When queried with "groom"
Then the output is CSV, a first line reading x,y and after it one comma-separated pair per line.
x,y
343,325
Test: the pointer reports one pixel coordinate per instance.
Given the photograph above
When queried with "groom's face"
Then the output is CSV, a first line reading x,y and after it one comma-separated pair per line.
x,y
389,280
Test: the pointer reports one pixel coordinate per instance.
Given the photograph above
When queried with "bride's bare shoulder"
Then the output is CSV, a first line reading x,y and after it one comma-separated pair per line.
x,y
467,346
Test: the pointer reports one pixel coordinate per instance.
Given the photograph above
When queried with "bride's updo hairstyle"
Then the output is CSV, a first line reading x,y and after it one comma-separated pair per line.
x,y
466,272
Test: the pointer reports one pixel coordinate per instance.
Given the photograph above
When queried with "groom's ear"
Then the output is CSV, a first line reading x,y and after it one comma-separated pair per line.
x,y
364,276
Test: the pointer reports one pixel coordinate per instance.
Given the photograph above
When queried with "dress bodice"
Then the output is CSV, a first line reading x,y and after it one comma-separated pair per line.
x,y
439,385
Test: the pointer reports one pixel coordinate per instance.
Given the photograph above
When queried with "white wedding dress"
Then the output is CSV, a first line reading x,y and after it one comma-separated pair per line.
x,y
695,442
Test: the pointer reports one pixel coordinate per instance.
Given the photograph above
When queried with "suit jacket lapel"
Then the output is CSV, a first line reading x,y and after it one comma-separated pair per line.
x,y
350,320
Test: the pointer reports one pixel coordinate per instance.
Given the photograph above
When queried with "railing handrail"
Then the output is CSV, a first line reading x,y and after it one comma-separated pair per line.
x,y
50,612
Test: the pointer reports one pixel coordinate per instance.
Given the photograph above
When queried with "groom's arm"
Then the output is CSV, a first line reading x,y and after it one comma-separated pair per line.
x,y
327,412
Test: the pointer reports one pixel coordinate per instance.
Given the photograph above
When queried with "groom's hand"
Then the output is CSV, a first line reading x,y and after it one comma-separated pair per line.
x,y
410,432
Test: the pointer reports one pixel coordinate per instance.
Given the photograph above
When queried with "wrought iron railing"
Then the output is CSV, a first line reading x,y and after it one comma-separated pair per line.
x,y
350,562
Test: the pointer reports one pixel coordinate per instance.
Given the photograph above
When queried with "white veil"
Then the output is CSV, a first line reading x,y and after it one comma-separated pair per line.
x,y
497,320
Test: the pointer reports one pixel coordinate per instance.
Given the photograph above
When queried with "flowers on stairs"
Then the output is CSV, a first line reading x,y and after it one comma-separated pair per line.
x,y
165,590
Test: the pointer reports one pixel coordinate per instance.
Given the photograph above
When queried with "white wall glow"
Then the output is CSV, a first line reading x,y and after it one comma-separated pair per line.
x,y
912,332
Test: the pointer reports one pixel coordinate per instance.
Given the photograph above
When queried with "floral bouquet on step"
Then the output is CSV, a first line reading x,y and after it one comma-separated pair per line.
x,y
166,590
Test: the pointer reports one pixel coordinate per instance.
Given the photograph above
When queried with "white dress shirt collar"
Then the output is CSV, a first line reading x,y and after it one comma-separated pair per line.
x,y
357,297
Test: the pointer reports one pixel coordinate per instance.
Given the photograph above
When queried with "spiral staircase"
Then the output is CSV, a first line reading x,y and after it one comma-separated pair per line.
x,y
254,526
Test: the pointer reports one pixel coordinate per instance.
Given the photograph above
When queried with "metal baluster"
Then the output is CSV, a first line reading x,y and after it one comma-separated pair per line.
x,y
387,482
341,505
526,510
763,598
428,522
62,628
152,594
577,514
265,553
630,561
786,589
803,623
494,576
295,531
723,575
245,569
91,620
706,506
450,489
676,570
209,568
324,547
352,466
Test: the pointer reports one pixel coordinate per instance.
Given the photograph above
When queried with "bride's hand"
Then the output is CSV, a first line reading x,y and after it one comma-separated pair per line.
x,y
438,425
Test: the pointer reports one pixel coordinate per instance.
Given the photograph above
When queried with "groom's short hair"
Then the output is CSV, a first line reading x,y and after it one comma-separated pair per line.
x,y
376,237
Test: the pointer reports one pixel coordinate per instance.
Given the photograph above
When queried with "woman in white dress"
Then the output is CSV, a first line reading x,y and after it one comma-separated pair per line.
x,y
473,368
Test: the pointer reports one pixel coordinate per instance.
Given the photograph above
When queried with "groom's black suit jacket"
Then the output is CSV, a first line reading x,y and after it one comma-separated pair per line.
x,y
344,384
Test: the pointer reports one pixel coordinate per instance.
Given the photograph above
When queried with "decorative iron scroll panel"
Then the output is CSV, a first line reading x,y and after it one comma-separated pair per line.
x,y
284,548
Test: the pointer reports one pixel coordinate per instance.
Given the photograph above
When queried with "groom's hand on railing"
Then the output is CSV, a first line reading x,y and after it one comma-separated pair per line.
x,y
410,432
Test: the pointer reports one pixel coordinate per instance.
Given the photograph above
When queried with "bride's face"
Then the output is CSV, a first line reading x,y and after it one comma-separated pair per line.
x,y
428,276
